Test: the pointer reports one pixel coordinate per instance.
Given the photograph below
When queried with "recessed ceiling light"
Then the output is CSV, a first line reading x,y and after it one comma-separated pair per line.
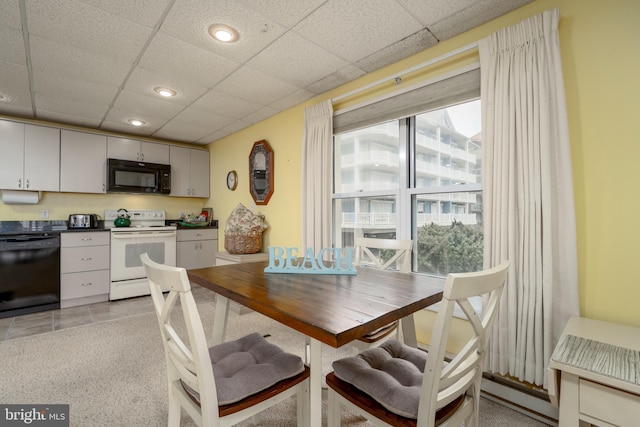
x,y
223,33
136,122
165,91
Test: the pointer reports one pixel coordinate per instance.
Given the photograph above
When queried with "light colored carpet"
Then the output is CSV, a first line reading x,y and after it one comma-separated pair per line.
x,y
113,373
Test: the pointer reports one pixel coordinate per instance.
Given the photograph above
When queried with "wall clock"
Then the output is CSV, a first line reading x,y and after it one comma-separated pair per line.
x,y
232,180
261,172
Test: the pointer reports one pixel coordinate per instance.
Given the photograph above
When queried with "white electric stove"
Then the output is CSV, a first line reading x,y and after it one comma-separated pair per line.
x,y
146,234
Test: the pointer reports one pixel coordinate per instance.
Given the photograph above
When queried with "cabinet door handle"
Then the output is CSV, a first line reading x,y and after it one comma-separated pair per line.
x,y
86,259
19,182
86,284
86,239
27,182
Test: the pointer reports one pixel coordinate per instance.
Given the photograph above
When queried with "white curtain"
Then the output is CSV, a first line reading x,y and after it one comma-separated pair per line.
x,y
317,161
528,194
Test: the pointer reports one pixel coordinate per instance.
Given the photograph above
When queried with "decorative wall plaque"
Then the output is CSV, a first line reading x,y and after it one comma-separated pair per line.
x,y
261,172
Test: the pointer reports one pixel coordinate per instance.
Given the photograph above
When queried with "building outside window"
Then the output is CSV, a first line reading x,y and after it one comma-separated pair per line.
x,y
416,178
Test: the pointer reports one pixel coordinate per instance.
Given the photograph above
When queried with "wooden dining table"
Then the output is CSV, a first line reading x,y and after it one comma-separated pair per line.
x,y
331,309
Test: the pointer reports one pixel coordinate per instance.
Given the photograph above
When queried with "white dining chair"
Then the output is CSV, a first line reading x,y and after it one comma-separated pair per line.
x,y
382,254
398,385
229,382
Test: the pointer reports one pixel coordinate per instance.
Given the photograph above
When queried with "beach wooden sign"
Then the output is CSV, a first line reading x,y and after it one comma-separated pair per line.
x,y
289,260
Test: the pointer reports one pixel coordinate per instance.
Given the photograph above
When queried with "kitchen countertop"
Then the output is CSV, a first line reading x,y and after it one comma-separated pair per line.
x,y
176,222
58,226
32,227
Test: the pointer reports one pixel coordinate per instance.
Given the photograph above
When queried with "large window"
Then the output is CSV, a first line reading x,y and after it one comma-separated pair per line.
x,y
419,178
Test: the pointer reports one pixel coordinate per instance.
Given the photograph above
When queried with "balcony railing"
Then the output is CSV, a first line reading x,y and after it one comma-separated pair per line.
x,y
377,157
437,146
384,220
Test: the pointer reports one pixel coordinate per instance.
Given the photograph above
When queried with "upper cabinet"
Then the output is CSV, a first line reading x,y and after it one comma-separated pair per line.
x,y
189,172
137,151
83,162
30,157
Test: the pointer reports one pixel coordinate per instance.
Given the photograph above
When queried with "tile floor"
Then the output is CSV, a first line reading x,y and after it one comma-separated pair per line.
x,y
48,321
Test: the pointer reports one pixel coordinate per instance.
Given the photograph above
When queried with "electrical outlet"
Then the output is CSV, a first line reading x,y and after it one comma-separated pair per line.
x,y
44,214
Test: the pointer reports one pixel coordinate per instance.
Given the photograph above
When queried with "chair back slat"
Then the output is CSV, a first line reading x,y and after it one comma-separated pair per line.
x,y
257,385
401,259
445,382
187,353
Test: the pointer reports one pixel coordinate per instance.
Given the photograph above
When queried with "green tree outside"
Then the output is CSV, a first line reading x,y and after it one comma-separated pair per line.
x,y
455,248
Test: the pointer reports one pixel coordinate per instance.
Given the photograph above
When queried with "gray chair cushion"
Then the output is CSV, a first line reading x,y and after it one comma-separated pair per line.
x,y
391,374
247,366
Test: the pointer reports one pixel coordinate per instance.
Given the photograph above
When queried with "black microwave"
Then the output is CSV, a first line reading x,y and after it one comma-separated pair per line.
x,y
124,176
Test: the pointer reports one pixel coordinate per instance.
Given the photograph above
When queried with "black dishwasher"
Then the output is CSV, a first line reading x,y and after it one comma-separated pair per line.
x,y
29,273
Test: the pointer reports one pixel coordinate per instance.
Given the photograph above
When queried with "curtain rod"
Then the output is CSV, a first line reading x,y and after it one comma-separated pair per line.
x,y
408,70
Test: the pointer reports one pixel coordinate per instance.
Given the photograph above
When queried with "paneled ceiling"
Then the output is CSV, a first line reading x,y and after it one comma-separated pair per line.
x,y
95,63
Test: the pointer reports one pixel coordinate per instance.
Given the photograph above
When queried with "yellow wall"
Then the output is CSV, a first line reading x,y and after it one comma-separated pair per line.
x,y
601,60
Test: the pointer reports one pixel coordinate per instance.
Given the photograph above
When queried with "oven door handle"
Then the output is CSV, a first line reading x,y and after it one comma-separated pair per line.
x,y
129,234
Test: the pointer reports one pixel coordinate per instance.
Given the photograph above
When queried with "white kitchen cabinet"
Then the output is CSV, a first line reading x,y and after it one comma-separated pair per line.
x,y
83,159
189,172
196,248
30,157
84,268
137,151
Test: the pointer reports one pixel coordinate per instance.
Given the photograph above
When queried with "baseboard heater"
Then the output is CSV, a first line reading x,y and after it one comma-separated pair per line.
x,y
510,393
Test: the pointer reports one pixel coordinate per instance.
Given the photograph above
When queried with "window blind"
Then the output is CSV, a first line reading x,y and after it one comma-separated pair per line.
x,y
452,90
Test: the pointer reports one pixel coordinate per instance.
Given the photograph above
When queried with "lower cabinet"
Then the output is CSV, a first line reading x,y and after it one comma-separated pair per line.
x,y
196,248
225,258
84,268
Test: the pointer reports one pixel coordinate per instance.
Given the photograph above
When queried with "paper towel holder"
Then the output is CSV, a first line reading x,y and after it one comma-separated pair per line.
x,y
17,197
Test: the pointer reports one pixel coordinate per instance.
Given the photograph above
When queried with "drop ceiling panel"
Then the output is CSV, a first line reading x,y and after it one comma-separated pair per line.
x,y
71,107
340,77
93,29
120,118
372,25
122,126
261,114
281,60
212,137
271,89
65,87
226,105
204,119
15,87
56,116
189,20
141,104
408,46
10,14
53,57
143,82
188,131
286,14
297,97
145,12
236,126
470,17
428,12
12,46
169,56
